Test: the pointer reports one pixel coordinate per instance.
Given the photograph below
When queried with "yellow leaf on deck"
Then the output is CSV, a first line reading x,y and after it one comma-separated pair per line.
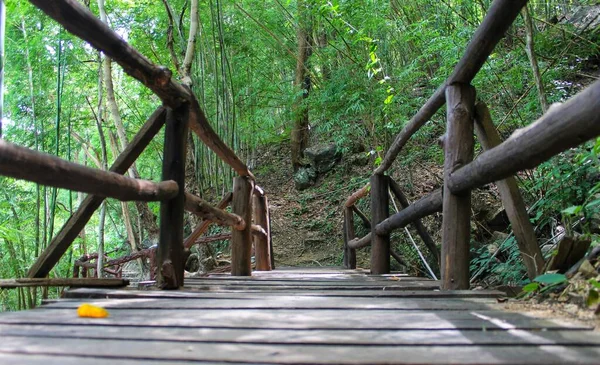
x,y
91,311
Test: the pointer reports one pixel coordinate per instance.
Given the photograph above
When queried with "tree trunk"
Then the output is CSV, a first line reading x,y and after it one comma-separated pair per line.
x,y
147,217
302,83
529,47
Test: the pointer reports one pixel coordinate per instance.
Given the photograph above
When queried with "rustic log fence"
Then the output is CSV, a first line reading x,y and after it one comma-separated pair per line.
x,y
180,112
562,127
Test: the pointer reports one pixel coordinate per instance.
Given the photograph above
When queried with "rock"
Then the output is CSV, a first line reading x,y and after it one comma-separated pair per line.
x,y
192,263
585,17
498,220
323,157
359,159
304,178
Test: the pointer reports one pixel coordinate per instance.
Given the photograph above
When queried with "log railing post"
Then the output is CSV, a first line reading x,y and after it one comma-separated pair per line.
x,y
349,234
262,249
456,225
511,198
170,247
380,244
241,240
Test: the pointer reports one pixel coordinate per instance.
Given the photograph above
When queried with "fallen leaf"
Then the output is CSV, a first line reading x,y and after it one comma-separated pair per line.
x,y
91,311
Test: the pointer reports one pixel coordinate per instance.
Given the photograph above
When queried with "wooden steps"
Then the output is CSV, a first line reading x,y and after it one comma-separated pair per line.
x,y
292,316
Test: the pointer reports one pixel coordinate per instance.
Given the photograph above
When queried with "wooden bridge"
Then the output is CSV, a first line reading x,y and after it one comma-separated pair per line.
x,y
297,316
292,316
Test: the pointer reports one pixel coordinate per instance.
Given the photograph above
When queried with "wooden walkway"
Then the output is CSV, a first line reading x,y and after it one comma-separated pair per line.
x,y
292,316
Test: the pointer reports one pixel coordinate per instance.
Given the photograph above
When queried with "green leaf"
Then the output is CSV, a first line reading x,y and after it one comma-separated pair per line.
x,y
550,279
531,287
574,210
593,298
594,283
389,99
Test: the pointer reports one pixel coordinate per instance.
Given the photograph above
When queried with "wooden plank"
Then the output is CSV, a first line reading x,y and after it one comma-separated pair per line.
x,y
511,197
423,207
72,282
460,294
287,302
380,210
330,287
456,223
204,210
295,319
349,234
169,255
564,126
203,226
389,281
22,163
498,19
417,224
262,244
299,336
66,359
301,354
241,241
71,229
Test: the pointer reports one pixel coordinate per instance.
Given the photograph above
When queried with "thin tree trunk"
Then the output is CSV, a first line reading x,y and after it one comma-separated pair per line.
x,y
99,114
529,48
2,28
302,83
148,218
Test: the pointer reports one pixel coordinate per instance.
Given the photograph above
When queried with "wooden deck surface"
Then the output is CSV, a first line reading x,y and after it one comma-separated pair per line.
x,y
292,316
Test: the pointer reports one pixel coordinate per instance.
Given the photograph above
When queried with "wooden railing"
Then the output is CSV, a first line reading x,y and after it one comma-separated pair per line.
x,y
562,127
179,112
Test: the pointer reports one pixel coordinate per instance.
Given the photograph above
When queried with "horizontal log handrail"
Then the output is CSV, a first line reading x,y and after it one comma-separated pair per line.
x,y
360,242
203,226
564,126
359,194
22,163
423,207
203,209
498,19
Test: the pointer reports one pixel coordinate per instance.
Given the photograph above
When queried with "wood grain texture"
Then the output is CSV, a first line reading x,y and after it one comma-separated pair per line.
x,y
511,197
71,229
241,240
380,242
169,256
349,234
25,164
456,223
